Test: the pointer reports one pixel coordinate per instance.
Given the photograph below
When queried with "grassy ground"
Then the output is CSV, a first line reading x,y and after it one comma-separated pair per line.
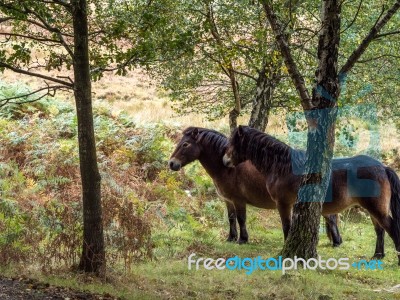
x,y
170,277
167,276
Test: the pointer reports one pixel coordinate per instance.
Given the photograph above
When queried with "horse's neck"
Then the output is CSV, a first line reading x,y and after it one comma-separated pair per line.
x,y
275,162
212,163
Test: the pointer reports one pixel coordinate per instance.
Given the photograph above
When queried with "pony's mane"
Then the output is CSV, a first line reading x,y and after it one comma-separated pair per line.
x,y
267,153
211,138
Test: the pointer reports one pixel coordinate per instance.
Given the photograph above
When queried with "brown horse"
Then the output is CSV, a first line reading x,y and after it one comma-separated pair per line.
x,y
237,186
359,180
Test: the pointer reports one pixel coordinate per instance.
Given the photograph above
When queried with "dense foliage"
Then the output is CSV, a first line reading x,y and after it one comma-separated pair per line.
x,y
40,207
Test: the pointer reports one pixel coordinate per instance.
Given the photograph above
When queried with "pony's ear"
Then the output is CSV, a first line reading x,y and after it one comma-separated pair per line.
x,y
240,130
195,133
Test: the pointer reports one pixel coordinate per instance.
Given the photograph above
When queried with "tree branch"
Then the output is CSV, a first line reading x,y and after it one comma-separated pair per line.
x,y
43,24
355,17
283,44
52,29
245,74
20,71
387,33
368,39
378,57
31,37
5,19
60,2
50,91
132,59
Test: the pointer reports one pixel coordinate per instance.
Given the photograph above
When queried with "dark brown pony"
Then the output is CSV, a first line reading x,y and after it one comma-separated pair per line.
x,y
359,180
237,186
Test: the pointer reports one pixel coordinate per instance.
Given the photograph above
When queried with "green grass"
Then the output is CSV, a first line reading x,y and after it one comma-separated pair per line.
x,y
166,276
170,276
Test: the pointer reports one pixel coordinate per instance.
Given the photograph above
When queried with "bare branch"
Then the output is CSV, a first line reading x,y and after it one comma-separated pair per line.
x,y
387,33
245,75
60,2
355,17
20,71
378,57
31,37
2,20
50,91
66,77
369,38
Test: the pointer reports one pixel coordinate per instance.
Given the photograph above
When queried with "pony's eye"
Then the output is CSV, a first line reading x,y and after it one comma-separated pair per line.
x,y
185,145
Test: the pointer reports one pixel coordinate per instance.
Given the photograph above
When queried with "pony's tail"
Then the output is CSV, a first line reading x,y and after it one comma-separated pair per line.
x,y
394,200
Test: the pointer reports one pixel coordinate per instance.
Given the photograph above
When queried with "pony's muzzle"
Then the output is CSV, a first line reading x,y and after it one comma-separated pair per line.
x,y
174,164
227,161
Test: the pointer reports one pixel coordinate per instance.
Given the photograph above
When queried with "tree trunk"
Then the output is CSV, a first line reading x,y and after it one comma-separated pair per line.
x,y
93,253
233,115
262,100
303,236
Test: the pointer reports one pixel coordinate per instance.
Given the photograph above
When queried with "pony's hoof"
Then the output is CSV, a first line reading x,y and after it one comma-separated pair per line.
x,y
231,239
243,241
378,256
337,244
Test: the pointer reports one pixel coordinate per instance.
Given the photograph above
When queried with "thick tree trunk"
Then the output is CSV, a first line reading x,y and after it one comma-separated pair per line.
x,y
303,236
93,253
262,100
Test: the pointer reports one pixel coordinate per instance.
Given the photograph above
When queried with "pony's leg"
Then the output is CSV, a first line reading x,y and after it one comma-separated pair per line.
x,y
390,227
380,241
388,224
241,217
285,212
332,230
232,237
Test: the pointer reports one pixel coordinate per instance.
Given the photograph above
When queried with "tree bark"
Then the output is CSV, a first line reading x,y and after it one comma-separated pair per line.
x,y
233,115
93,253
303,235
263,99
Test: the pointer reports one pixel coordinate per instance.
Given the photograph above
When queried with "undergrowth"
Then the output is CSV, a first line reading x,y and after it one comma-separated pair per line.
x,y
40,207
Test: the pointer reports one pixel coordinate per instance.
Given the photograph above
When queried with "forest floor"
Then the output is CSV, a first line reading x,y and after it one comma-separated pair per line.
x,y
167,276
27,288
